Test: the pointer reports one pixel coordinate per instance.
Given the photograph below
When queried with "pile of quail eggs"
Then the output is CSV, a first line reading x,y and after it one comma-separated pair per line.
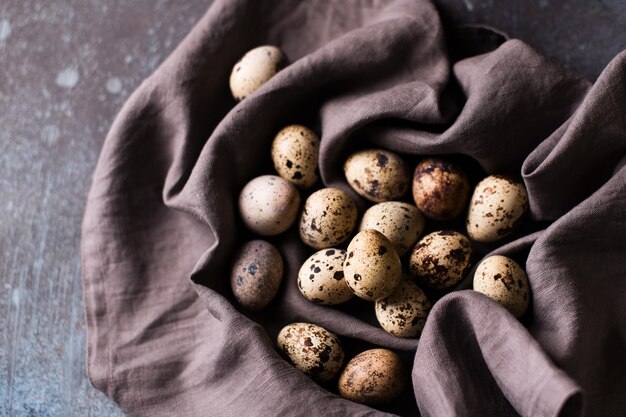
x,y
363,256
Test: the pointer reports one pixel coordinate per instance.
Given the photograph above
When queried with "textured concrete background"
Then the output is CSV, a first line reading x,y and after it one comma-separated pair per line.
x,y
66,67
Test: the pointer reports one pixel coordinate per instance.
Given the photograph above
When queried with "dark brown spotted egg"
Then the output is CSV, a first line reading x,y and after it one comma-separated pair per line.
x,y
328,218
377,175
321,278
440,189
311,349
254,69
441,259
404,312
496,208
372,267
269,205
295,150
401,223
256,273
503,280
373,377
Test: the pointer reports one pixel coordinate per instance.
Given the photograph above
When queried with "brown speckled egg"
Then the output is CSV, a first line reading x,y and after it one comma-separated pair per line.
x,y
440,189
377,175
321,278
372,267
441,259
311,349
401,223
256,274
496,208
294,151
373,377
254,69
503,280
269,205
404,312
328,218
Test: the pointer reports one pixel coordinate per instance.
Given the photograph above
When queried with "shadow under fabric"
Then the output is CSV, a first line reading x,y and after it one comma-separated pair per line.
x,y
161,223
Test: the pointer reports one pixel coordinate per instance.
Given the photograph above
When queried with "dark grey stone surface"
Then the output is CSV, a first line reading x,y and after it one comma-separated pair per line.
x,y
66,67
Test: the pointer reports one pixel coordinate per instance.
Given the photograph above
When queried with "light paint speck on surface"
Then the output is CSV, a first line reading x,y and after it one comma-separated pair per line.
x,y
468,5
67,78
5,29
15,296
114,85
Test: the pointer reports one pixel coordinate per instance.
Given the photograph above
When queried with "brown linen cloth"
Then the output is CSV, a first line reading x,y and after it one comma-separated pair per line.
x,y
364,73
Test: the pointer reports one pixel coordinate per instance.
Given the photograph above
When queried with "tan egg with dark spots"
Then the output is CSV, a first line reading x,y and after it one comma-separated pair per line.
x,y
377,175
440,189
311,349
321,278
404,312
372,267
373,377
328,218
254,69
401,223
441,259
295,151
496,208
269,205
256,274
503,280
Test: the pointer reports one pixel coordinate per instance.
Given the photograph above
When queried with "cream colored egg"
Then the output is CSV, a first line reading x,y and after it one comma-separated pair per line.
x,y
321,277
328,218
373,377
441,259
269,205
372,267
496,208
311,349
254,69
404,312
401,223
503,280
377,175
295,152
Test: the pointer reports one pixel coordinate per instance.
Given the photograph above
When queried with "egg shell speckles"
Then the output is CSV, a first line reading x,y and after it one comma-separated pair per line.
x,y
311,349
503,280
404,312
440,189
373,377
372,268
441,259
328,218
401,223
269,205
377,175
256,274
295,151
254,69
496,208
321,278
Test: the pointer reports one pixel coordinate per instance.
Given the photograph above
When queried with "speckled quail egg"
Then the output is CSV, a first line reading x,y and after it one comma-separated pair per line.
x,y
401,223
441,259
503,280
256,274
440,189
312,349
496,208
328,218
404,312
269,205
295,151
373,377
254,69
377,175
372,267
321,277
